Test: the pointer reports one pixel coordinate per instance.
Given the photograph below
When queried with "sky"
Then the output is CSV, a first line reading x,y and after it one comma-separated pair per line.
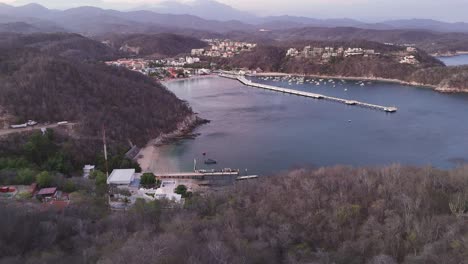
x,y
370,10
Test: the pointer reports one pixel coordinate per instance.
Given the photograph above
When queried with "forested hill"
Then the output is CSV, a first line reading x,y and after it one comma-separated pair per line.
x,y
331,215
428,71
164,44
36,84
66,45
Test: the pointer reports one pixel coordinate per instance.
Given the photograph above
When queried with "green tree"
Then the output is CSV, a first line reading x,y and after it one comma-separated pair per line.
x,y
44,179
148,180
182,190
40,147
25,176
101,179
69,186
59,162
97,173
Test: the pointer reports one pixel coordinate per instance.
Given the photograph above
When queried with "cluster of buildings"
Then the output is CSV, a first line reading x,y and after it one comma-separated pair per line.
x,y
408,45
163,68
125,189
49,197
144,64
327,53
131,64
408,56
177,62
223,48
411,59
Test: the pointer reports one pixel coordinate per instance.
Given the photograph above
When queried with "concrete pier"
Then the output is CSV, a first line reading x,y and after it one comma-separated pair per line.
x,y
195,174
245,81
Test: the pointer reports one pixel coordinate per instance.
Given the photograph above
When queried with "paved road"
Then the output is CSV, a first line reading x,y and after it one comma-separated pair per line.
x,y
4,132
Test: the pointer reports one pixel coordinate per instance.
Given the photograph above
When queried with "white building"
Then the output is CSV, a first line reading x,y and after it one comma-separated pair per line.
x,y
166,191
197,52
121,177
409,60
87,169
292,52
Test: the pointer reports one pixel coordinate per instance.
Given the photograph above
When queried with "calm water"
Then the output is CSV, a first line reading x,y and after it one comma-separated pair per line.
x,y
455,60
268,132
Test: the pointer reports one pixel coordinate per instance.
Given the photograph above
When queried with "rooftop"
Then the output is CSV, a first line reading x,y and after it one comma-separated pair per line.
x,y
47,191
121,176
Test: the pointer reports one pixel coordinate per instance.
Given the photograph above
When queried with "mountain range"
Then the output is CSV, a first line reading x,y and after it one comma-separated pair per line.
x,y
208,15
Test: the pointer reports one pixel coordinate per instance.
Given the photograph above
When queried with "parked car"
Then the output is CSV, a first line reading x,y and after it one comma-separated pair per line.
x,y
31,123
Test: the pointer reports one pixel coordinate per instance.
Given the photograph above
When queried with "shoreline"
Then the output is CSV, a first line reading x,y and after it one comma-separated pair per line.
x,y
349,78
171,80
449,54
151,152
365,78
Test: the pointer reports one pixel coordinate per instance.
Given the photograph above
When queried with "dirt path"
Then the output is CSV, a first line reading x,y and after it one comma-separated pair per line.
x,y
4,132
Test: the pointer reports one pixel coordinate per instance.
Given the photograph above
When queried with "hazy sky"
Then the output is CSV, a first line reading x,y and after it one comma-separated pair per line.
x,y
447,10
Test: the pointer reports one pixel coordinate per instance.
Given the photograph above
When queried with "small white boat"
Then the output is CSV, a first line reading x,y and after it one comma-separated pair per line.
x,y
242,178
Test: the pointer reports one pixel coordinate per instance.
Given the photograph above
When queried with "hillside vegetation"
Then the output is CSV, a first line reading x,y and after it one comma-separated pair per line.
x,y
66,45
36,84
332,215
164,44
429,71
429,41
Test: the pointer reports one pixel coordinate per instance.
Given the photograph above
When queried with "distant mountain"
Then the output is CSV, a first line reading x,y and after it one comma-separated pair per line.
x,y
207,9
432,42
95,21
29,10
428,24
18,27
61,4
307,21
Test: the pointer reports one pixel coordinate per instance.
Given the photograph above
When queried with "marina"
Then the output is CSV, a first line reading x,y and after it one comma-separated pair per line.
x,y
274,133
245,81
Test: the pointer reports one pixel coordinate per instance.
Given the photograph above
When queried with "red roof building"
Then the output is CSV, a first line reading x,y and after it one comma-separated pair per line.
x,y
47,191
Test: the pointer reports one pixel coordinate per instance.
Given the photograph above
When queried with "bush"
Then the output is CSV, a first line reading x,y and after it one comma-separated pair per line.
x,y
93,175
148,180
69,186
182,190
24,195
25,176
44,179
101,179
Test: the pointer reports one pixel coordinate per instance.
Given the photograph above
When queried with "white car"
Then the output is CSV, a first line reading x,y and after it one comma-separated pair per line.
x,y
31,123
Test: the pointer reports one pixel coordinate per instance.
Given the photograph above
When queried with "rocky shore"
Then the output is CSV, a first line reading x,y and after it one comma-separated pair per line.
x,y
149,154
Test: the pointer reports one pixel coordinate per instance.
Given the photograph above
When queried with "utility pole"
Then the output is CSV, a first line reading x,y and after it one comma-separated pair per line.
x,y
105,150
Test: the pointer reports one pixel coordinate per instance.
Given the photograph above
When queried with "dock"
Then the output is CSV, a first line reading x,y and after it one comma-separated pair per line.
x,y
245,81
195,174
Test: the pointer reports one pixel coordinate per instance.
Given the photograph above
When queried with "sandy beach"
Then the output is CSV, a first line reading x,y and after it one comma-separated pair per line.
x,y
151,159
